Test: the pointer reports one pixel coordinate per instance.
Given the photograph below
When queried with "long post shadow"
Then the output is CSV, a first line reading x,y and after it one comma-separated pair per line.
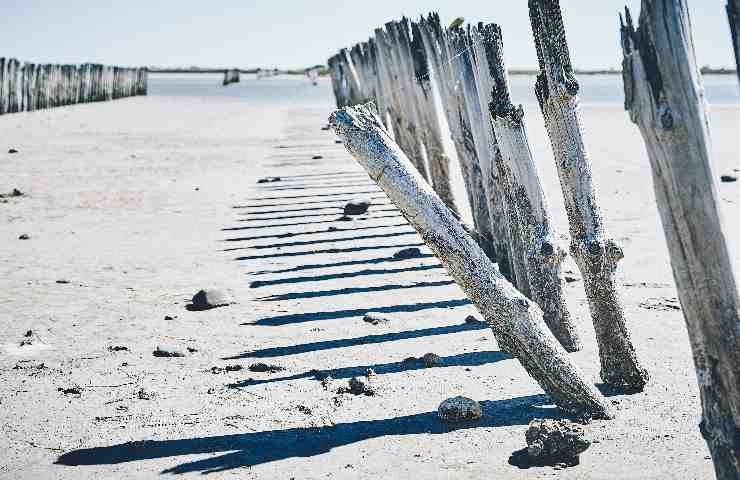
x,y
342,275
313,222
323,240
352,290
327,251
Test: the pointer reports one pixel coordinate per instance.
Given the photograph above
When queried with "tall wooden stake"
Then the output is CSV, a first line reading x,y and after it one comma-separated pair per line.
x,y
595,254
665,98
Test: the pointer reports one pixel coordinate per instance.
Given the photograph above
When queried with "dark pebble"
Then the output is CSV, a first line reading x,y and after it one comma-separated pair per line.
x,y
728,178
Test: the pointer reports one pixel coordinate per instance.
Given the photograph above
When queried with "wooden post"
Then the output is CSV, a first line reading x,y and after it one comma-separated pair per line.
x,y
733,15
595,254
542,244
665,98
396,85
431,131
509,313
485,146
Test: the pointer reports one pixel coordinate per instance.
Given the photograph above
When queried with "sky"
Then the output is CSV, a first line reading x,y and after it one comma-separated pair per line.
x,y
299,33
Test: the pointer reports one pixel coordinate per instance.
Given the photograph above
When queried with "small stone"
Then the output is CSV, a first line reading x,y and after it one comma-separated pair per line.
x,y
459,409
169,317
24,236
431,360
16,193
360,386
227,368
192,349
264,367
70,390
356,207
332,229
12,151
208,299
728,178
375,318
167,352
411,252
62,281
555,441
117,348
317,157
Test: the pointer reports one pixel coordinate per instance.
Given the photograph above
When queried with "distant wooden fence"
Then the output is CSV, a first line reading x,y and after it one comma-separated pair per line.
x,y
25,87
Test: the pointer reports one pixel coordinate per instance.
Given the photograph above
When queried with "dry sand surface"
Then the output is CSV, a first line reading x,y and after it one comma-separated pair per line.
x,y
137,204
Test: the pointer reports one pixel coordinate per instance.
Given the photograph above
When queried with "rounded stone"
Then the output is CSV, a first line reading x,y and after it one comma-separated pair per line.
x,y
209,298
459,409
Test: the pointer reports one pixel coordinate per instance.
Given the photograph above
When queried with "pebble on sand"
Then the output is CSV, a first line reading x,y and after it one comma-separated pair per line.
x,y
12,151
411,252
70,390
317,157
269,179
375,318
459,409
555,441
360,386
728,178
208,299
356,207
24,236
431,360
167,352
264,367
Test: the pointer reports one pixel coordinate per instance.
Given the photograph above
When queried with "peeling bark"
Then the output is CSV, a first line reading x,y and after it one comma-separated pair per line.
x,y
665,98
595,254
544,252
509,313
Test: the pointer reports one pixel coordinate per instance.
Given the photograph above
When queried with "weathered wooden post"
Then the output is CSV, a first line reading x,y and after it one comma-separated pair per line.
x,y
395,84
485,146
509,313
595,254
733,15
440,57
543,246
431,131
665,98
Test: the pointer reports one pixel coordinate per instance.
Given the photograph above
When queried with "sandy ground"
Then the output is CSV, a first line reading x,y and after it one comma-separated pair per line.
x,y
139,203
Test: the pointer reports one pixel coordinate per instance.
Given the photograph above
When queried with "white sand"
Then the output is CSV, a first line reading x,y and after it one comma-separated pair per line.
x,y
112,208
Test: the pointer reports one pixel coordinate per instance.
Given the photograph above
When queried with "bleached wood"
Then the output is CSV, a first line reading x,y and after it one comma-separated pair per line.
x,y
595,254
665,98
438,52
431,131
543,247
509,313
463,65
499,185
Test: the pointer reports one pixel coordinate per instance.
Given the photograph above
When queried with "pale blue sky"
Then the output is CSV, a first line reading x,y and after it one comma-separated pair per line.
x,y
293,33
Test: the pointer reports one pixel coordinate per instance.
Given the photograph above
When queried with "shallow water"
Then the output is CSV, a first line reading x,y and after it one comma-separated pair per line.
x,y
298,90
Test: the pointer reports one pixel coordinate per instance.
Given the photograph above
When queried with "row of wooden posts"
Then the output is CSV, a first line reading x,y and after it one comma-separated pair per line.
x,y
25,87
509,261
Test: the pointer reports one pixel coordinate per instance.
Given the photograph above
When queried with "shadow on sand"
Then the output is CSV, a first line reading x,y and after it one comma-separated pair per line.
x,y
256,448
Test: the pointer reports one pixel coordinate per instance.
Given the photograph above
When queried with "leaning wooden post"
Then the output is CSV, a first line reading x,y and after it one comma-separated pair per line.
x,y
544,250
509,313
595,254
665,98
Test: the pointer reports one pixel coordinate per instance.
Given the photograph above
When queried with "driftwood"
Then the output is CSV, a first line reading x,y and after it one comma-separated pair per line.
x,y
509,313
431,131
665,98
544,252
440,57
595,254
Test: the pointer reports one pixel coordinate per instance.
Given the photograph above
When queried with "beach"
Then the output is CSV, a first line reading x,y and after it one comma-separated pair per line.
x,y
133,206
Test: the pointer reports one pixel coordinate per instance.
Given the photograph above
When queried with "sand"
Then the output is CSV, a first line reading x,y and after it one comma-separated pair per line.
x,y
140,203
